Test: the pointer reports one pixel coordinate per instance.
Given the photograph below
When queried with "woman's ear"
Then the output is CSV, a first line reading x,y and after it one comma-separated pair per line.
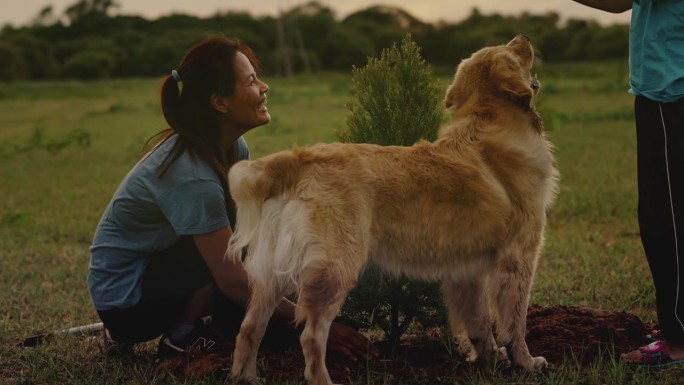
x,y
220,103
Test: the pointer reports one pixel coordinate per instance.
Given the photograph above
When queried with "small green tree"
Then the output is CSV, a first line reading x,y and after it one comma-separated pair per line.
x,y
395,101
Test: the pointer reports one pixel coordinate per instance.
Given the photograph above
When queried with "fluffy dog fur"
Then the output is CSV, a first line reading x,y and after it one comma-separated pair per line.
x,y
467,210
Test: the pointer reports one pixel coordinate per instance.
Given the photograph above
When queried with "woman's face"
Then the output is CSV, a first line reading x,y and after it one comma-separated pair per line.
x,y
246,108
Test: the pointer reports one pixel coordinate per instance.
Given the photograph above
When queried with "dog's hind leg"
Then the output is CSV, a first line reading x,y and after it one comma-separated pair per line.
x,y
511,284
469,308
323,292
259,310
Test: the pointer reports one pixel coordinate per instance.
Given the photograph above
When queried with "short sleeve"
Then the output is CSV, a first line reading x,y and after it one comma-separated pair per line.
x,y
242,149
196,207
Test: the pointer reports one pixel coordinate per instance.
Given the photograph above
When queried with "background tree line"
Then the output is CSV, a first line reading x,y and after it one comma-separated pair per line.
x,y
91,41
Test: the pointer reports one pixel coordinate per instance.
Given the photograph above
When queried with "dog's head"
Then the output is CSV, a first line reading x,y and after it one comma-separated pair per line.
x,y
500,72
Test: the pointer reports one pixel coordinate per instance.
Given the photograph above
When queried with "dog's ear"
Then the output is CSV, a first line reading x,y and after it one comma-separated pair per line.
x,y
450,98
457,94
519,90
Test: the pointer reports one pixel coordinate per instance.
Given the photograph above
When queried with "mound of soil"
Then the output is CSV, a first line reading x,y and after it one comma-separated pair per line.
x,y
559,332
556,332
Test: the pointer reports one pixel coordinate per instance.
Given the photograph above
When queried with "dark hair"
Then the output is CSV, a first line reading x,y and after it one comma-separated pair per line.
x,y
206,69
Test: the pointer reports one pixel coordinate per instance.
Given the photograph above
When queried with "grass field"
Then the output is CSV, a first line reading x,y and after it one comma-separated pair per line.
x,y
64,147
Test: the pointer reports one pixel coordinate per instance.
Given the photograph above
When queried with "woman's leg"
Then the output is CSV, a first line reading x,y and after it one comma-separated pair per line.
x,y
660,167
177,288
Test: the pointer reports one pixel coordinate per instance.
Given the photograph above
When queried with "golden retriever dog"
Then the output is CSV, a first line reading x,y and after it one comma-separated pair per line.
x,y
467,210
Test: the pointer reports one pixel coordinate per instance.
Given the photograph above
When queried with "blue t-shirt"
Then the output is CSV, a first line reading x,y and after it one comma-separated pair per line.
x,y
656,52
147,214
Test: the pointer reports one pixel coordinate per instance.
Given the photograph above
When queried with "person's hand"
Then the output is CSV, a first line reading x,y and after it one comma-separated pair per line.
x,y
348,342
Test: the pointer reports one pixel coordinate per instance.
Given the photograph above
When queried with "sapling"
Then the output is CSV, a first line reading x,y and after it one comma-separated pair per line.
x,y
395,101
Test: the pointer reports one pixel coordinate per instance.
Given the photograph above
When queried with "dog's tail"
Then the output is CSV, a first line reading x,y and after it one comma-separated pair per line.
x,y
263,191
252,185
249,188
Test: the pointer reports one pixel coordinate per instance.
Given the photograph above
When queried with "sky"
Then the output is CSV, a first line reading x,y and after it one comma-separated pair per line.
x,y
21,12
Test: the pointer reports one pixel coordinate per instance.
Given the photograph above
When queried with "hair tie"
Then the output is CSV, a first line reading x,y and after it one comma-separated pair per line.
x,y
176,76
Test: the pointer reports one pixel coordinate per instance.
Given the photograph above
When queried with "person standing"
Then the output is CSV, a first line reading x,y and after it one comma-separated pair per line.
x,y
656,64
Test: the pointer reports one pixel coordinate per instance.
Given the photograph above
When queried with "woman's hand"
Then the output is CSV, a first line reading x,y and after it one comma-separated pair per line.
x,y
348,342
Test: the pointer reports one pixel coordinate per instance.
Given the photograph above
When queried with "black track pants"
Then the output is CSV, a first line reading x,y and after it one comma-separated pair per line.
x,y
660,154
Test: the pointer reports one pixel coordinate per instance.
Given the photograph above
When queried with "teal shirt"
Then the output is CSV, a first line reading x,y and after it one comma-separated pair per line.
x,y
147,214
656,52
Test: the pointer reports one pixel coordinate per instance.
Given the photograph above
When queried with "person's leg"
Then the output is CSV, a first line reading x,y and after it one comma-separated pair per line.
x,y
179,274
660,167
180,278
139,323
200,304
177,288
671,312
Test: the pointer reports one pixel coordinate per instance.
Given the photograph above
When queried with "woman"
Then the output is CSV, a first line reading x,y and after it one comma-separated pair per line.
x,y
157,260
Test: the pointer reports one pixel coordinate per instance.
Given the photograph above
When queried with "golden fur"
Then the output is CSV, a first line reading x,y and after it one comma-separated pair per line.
x,y
468,210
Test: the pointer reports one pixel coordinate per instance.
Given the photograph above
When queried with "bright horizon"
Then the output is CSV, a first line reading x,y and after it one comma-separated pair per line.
x,y
21,13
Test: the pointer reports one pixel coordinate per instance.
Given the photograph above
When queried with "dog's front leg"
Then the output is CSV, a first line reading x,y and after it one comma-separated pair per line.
x,y
512,284
259,311
468,307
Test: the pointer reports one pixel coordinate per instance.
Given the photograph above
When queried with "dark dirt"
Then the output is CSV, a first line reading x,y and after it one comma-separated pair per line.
x,y
560,331
557,333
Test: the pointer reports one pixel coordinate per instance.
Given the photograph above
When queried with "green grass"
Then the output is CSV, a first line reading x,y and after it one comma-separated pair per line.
x,y
64,147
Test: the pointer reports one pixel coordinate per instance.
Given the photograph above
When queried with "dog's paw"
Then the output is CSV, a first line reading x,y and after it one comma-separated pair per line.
x,y
531,364
539,363
246,378
249,381
502,357
502,354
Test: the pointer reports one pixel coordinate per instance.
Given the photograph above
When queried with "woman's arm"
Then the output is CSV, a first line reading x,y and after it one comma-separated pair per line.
x,y
613,6
230,276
